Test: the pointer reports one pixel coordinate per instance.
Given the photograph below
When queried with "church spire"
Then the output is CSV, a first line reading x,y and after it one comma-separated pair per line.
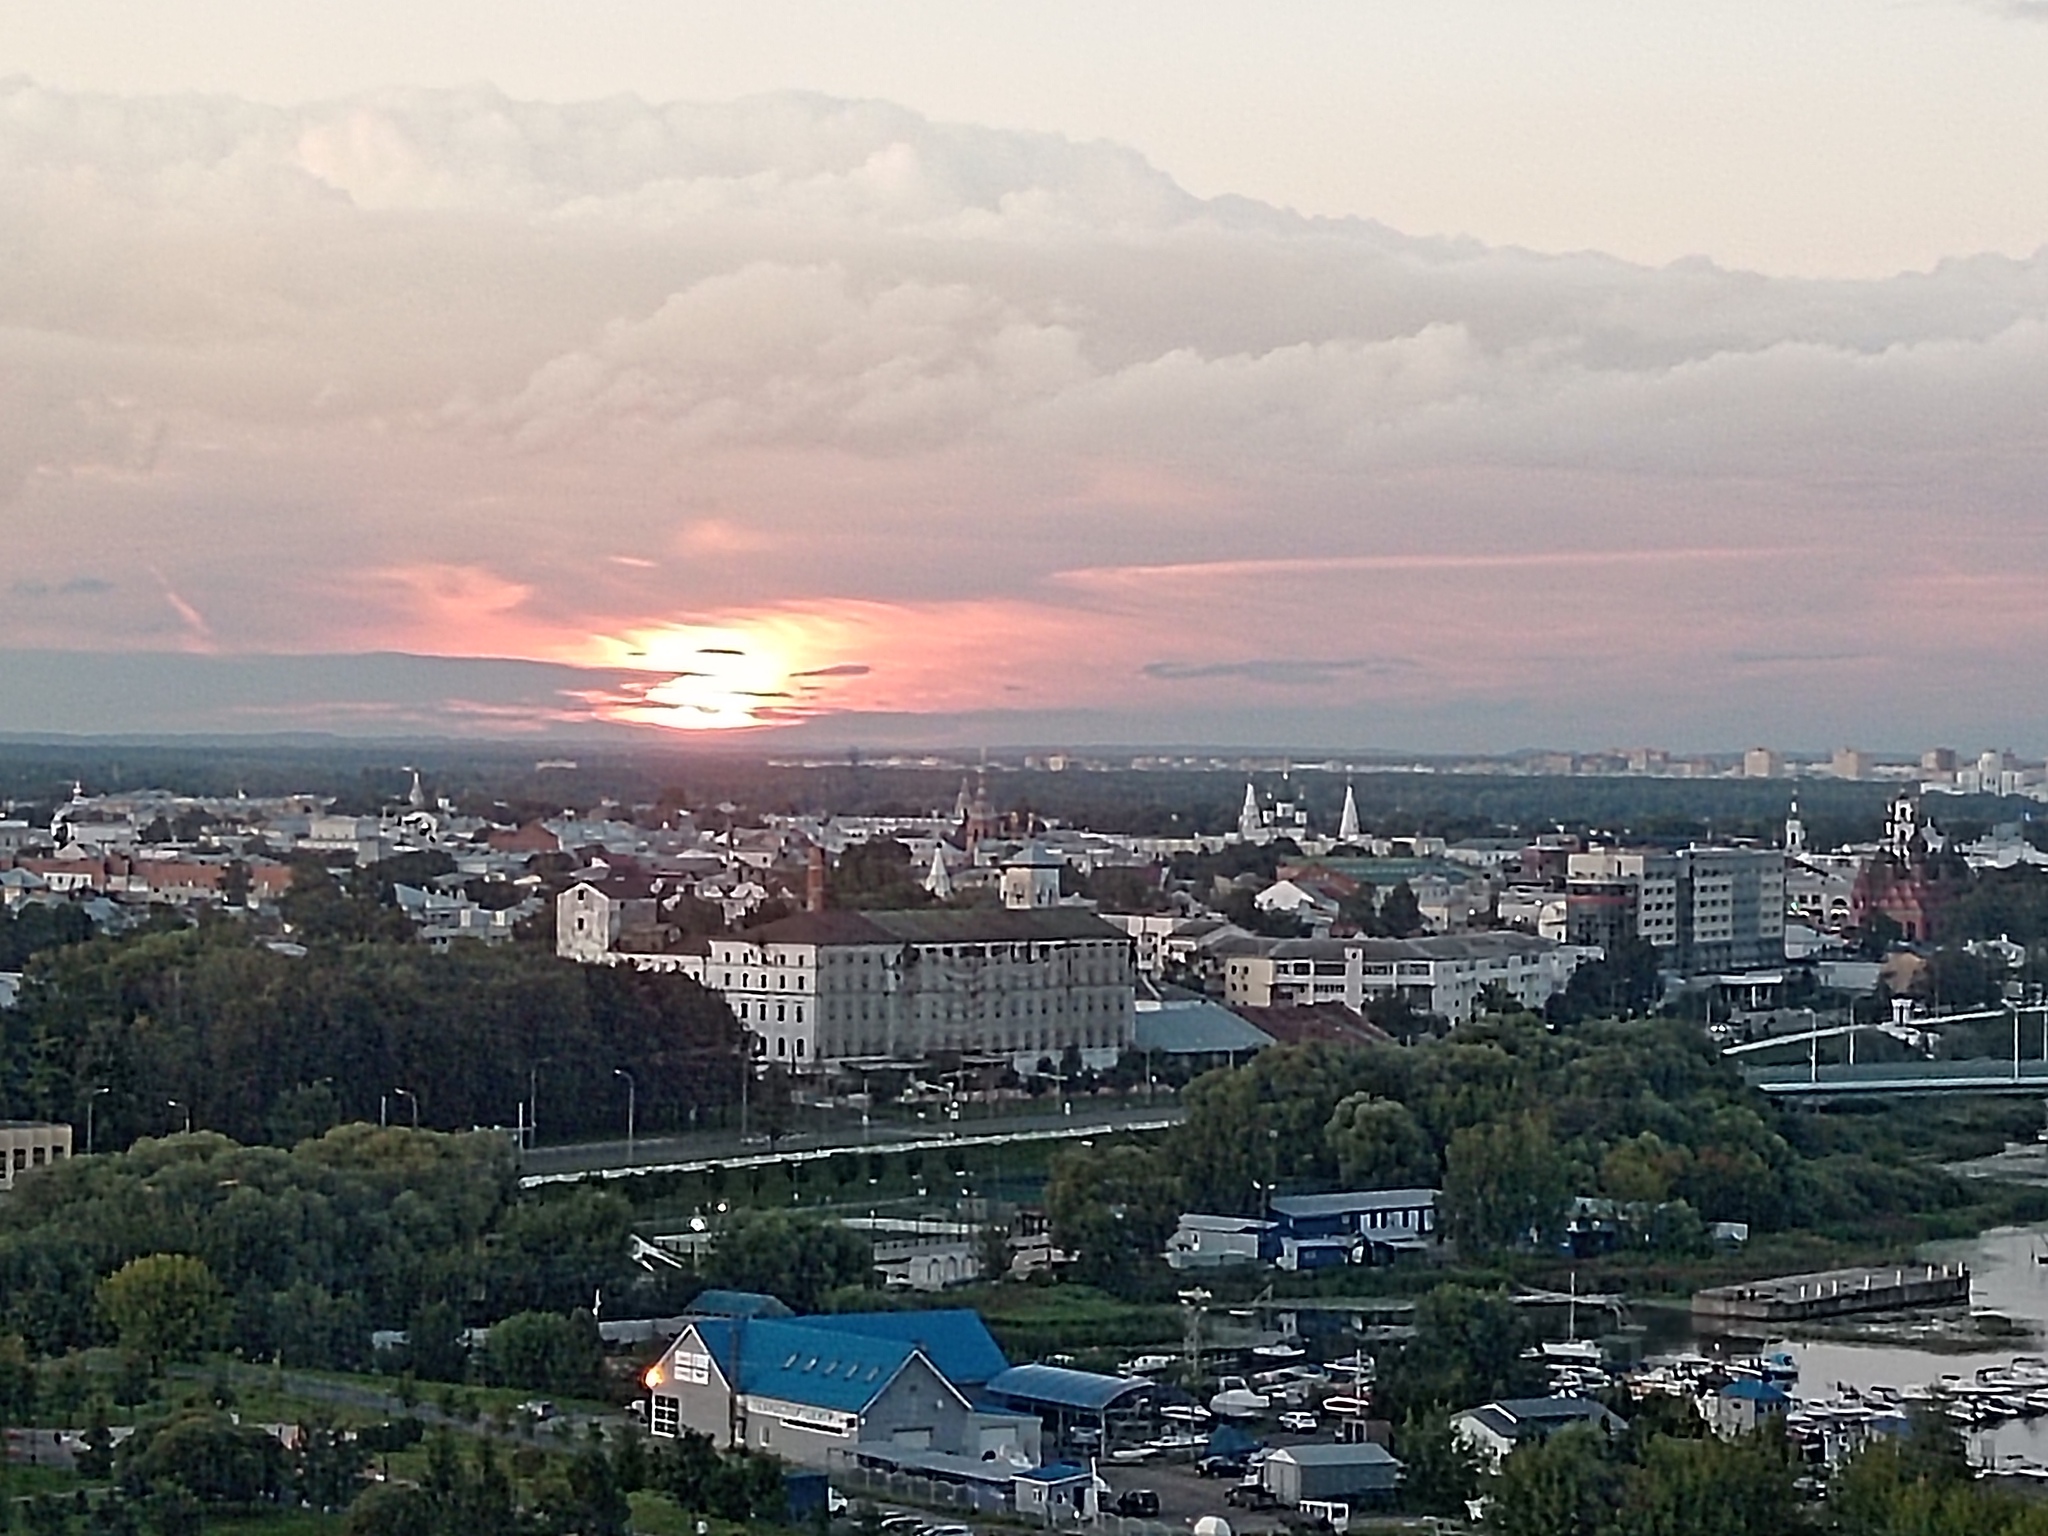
x,y
937,881
1348,829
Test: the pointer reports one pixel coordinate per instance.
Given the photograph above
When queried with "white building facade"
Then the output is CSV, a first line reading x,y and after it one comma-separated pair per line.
x,y
1444,975
822,989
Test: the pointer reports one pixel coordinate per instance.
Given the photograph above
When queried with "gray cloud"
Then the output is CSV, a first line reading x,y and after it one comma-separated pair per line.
x,y
70,586
1284,672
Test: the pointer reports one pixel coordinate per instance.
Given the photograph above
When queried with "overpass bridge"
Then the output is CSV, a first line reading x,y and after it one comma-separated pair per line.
x,y
2019,1073
1871,1079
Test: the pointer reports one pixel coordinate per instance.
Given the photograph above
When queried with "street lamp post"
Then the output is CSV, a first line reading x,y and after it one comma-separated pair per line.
x,y
187,1108
632,1097
411,1098
88,1116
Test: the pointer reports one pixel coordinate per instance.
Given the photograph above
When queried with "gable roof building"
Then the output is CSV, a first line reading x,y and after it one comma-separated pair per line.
x,y
1493,1430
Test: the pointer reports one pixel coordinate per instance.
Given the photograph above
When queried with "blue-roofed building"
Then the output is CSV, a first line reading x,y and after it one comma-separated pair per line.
x,y
1366,1226
1056,1495
1744,1404
954,1339
1083,1412
815,1394
1362,1226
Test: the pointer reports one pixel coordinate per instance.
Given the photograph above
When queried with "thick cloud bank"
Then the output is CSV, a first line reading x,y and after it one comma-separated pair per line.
x,y
811,407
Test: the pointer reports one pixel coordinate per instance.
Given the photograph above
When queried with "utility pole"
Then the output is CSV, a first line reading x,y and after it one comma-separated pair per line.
x,y
632,1096
88,1116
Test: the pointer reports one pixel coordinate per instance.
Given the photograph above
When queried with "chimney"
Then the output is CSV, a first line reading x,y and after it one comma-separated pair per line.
x,y
814,881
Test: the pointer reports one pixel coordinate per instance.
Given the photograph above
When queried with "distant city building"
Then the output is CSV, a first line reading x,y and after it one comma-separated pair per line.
x,y
26,1145
1703,909
1912,882
1276,816
593,916
1762,763
1444,975
1031,878
1849,763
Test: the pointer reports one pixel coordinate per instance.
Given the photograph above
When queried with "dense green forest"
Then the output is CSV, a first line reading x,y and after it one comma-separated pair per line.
x,y
270,1046
1512,1119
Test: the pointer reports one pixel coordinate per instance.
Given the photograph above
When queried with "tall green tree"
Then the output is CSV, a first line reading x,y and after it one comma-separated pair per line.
x,y
164,1307
1745,1486
798,1259
1113,1206
1567,1485
1379,1145
1505,1183
1439,1472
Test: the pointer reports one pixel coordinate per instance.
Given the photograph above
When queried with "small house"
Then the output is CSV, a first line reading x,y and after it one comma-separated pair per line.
x,y
1494,1430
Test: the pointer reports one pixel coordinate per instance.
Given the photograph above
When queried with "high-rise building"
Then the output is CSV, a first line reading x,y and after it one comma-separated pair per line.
x,y
1762,763
1703,908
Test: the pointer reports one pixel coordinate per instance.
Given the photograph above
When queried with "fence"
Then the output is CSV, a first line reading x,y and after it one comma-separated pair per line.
x,y
986,1500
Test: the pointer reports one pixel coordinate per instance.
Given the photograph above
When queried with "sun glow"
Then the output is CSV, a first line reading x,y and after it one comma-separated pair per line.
x,y
721,677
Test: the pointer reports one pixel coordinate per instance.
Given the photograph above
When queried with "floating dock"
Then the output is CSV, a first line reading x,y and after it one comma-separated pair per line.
x,y
1836,1293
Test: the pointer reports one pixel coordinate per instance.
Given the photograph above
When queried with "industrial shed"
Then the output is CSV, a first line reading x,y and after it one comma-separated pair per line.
x,y
1351,1473
1082,1411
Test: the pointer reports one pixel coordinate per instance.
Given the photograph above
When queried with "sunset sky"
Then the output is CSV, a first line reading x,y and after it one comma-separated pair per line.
x,y
1431,375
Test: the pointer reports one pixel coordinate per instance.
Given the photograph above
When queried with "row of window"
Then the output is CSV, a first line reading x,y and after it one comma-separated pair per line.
x,y
759,1012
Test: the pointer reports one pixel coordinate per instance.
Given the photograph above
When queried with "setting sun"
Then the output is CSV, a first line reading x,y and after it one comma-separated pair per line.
x,y
721,677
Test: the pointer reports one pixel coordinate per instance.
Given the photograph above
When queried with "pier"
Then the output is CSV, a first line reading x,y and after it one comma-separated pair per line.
x,y
1836,1293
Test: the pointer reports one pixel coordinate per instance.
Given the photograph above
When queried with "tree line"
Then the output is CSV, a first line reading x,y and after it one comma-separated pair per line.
x,y
268,1046
1512,1120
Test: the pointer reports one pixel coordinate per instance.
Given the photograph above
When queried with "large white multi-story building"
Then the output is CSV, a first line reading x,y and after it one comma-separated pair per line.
x,y
824,989
1444,975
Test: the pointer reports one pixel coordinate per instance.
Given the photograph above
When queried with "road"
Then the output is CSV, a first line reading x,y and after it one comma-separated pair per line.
x,y
724,1149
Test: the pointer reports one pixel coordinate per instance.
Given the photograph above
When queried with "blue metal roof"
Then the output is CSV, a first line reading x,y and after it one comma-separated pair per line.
x,y
1056,1386
800,1364
1056,1472
1751,1390
953,1338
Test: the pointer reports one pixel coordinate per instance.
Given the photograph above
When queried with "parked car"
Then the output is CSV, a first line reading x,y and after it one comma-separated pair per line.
x,y
1250,1496
1220,1466
901,1521
1140,1503
949,1530
1298,1421
836,1503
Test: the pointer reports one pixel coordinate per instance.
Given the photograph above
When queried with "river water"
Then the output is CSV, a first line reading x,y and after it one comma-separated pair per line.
x,y
2006,1278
